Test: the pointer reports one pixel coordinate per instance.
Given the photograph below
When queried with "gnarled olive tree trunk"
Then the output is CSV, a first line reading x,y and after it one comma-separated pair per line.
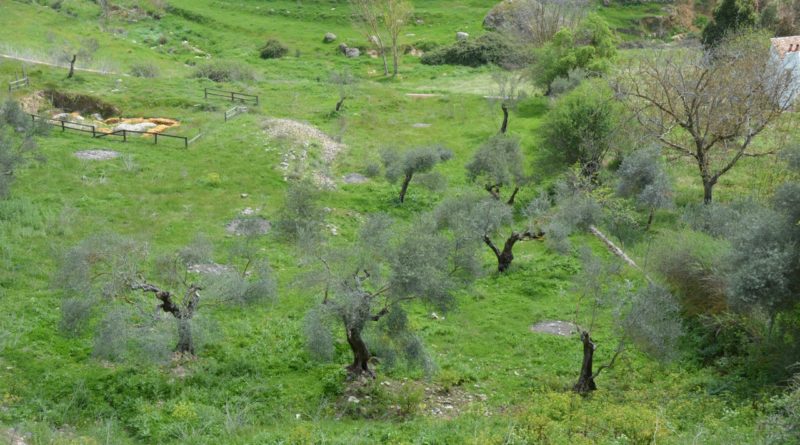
x,y
183,313
586,379
361,354
506,256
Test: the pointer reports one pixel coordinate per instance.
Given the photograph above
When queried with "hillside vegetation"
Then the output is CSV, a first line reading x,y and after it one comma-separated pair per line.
x,y
268,245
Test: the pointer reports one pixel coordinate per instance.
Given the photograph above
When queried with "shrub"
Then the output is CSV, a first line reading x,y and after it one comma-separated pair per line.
x,y
489,48
580,127
147,70
273,49
688,264
221,71
589,47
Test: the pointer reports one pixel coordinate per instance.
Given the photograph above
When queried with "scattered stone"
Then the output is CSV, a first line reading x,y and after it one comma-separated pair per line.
x,y
374,40
248,225
422,95
62,116
244,195
14,437
354,178
372,53
96,155
352,52
329,37
555,327
353,399
421,125
461,36
97,117
343,48
420,22
334,230
209,269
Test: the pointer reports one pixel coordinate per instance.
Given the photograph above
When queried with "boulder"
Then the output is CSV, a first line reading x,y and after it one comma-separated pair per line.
x,y
352,52
329,37
343,48
502,12
461,36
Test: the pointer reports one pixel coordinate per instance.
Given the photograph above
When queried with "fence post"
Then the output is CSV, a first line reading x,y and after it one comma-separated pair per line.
x,y
232,99
205,91
256,100
156,138
185,142
124,135
62,125
33,118
93,131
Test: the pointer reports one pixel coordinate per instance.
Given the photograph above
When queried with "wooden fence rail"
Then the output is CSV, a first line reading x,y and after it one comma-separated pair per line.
x,y
84,128
17,84
235,111
233,96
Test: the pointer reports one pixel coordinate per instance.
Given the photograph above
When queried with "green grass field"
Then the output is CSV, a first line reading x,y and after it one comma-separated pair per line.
x,y
253,382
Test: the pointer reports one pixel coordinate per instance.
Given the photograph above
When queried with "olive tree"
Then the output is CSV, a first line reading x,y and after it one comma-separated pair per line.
x,y
709,106
109,274
346,84
763,268
498,163
509,92
650,316
17,142
366,283
642,176
404,165
481,219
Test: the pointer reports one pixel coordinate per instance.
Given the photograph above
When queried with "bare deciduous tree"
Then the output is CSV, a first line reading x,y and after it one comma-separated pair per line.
x,y
368,17
709,106
537,21
395,16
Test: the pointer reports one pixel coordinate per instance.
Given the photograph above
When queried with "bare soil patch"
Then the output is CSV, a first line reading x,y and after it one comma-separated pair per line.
x,y
396,399
96,154
556,327
354,178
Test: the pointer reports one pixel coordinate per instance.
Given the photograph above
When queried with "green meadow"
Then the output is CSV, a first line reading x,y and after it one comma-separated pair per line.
x,y
495,381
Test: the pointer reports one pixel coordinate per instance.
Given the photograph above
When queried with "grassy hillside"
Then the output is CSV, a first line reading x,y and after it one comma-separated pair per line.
x,y
253,381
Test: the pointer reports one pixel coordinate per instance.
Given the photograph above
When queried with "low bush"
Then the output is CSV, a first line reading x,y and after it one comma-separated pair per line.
x,y
273,49
147,70
489,48
222,71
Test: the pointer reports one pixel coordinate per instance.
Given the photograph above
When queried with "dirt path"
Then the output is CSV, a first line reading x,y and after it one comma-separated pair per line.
x,y
39,62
